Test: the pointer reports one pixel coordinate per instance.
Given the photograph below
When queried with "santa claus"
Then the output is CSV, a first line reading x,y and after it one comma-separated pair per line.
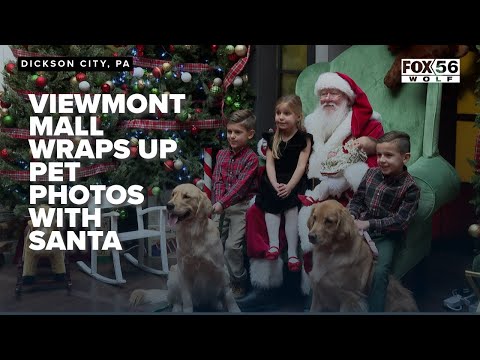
x,y
343,113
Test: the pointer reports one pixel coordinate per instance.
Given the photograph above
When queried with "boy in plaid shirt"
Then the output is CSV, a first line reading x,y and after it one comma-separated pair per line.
x,y
384,204
233,186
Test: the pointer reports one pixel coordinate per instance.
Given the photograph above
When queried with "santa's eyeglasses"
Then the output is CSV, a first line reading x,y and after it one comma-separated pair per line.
x,y
332,93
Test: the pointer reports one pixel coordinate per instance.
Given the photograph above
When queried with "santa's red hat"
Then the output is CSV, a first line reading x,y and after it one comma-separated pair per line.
x,y
361,109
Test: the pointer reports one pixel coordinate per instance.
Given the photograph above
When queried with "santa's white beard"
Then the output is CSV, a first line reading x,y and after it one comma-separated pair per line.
x,y
329,128
324,122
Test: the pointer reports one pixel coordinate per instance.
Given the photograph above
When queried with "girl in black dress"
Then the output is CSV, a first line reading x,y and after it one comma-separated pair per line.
x,y
285,177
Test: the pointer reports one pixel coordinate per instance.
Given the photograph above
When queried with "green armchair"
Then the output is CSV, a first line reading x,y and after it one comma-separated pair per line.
x,y
415,109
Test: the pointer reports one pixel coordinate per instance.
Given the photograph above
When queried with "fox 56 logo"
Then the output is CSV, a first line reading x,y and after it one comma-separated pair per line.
x,y
430,70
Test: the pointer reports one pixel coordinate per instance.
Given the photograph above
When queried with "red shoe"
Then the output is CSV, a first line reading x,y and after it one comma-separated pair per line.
x,y
272,255
294,266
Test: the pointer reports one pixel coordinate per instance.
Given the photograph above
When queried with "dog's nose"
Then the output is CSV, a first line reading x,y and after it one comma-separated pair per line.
x,y
170,206
312,238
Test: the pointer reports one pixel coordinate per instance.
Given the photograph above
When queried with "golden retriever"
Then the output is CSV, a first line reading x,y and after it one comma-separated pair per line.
x,y
200,279
343,264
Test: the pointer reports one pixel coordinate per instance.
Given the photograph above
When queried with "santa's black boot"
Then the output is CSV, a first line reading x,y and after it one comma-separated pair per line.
x,y
259,300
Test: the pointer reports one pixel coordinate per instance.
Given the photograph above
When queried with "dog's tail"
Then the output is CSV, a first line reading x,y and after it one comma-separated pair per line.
x,y
399,298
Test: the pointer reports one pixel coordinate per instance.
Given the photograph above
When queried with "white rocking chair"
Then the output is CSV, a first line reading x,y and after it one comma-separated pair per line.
x,y
140,234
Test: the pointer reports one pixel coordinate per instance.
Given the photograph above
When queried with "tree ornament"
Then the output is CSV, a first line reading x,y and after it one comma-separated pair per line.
x,y
214,48
237,105
217,81
138,72
215,90
84,86
184,115
245,78
81,77
229,100
167,66
154,90
171,48
237,82
156,191
229,49
199,183
34,77
233,57
4,154
474,230
133,141
133,151
8,121
106,88
169,165
157,72
240,50
10,67
141,84
169,74
186,77
178,164
73,81
110,83
194,130
41,81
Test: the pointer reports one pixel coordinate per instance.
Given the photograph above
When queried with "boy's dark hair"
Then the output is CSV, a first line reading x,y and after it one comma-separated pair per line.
x,y
401,139
245,117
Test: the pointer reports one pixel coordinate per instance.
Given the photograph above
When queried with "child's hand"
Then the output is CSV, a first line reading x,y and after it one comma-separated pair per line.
x,y
217,208
284,190
361,224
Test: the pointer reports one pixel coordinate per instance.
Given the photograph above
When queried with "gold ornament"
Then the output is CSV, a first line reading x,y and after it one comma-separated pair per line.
x,y
240,50
140,84
245,78
167,66
73,81
474,230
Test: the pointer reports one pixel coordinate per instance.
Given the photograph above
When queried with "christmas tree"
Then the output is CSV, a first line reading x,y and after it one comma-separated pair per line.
x,y
215,83
212,77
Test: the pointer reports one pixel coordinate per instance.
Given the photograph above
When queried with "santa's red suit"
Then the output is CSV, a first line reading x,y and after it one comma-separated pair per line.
x,y
361,120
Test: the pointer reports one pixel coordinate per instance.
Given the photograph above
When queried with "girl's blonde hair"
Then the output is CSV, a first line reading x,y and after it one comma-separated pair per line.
x,y
294,104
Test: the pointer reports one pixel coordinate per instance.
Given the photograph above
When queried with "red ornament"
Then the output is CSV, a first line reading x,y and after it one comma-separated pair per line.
x,y
41,81
5,104
196,180
124,87
233,57
198,110
133,151
157,72
9,67
115,54
149,191
171,48
214,48
4,153
106,88
81,77
194,130
169,165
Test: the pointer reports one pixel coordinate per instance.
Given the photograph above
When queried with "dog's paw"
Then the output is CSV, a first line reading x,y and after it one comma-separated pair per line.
x,y
152,296
137,297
